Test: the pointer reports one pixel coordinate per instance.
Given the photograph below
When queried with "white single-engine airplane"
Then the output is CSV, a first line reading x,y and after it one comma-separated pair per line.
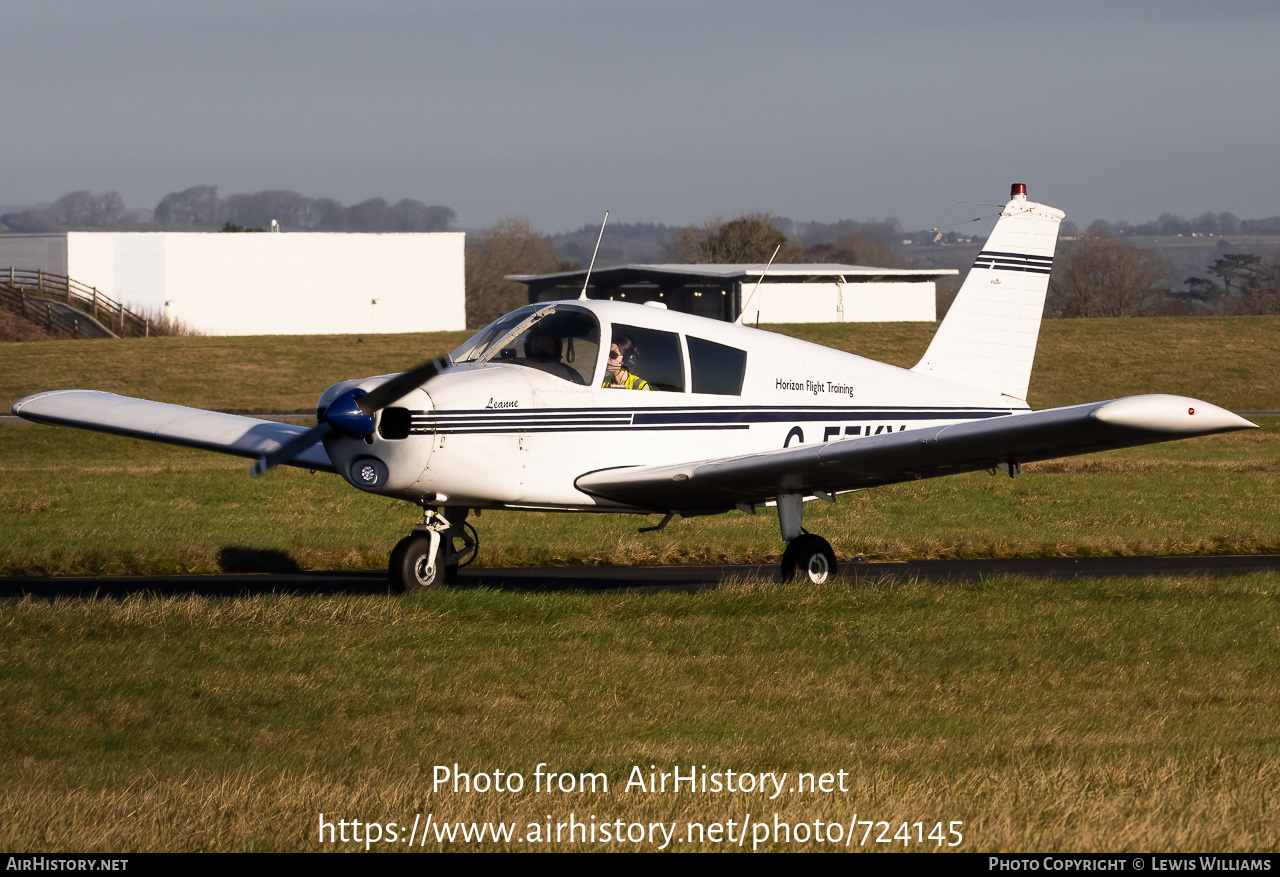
x,y
521,416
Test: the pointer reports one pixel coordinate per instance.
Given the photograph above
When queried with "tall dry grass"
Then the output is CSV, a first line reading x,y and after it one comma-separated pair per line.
x,y
1095,715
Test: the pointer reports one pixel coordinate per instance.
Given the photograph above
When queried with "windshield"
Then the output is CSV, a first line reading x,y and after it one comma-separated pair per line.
x,y
564,342
472,350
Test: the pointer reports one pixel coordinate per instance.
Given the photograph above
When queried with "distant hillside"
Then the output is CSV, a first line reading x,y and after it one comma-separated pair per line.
x,y
1190,256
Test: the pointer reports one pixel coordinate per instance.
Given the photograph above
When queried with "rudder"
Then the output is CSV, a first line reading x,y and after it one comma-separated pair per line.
x,y
988,338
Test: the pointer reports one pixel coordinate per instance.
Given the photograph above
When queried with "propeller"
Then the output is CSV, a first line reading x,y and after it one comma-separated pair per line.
x,y
352,413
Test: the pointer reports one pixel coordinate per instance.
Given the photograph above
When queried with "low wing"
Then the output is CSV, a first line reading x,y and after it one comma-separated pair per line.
x,y
711,486
171,424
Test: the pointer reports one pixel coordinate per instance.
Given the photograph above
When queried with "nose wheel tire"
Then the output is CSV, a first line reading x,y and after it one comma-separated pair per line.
x,y
466,545
411,567
808,558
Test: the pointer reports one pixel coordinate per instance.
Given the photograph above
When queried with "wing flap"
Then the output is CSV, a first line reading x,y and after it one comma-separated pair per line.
x,y
172,424
855,463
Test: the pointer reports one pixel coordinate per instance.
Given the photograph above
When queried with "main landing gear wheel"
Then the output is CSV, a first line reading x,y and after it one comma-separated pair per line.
x,y
808,558
412,568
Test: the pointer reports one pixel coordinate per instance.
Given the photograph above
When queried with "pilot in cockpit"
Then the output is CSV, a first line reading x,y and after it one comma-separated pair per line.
x,y
542,347
622,358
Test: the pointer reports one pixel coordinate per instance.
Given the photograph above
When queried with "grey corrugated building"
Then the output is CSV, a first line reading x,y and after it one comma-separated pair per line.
x,y
787,293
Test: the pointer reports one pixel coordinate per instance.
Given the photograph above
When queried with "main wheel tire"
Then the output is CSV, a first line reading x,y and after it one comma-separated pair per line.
x,y
808,558
411,569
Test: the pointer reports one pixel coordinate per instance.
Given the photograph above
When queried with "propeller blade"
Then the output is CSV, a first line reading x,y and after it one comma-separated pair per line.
x,y
382,396
368,403
290,449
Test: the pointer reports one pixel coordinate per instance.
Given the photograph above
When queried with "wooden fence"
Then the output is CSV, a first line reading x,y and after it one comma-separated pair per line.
x,y
28,291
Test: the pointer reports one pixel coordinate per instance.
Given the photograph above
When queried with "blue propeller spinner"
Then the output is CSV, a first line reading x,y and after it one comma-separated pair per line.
x,y
353,413
345,415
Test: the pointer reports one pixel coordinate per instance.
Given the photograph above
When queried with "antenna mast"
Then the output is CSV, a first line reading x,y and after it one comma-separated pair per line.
x,y
587,279
754,289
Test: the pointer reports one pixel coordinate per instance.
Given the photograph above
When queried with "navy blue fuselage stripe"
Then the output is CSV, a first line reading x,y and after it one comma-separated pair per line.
x,y
569,413
545,413
725,415
512,429
513,420
792,416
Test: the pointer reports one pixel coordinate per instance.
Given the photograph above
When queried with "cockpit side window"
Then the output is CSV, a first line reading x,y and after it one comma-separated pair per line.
x,y
650,355
717,368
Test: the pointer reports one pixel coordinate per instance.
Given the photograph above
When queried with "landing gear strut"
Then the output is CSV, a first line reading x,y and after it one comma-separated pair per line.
x,y
808,557
432,554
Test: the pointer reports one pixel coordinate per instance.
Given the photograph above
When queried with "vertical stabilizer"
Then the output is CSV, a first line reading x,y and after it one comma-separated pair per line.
x,y
988,338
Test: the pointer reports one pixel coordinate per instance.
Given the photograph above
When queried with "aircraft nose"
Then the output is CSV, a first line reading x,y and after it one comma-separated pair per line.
x,y
394,456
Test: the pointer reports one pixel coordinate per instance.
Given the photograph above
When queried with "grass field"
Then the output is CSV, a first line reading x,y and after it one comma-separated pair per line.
x,y
1230,361
1109,715
73,502
1135,715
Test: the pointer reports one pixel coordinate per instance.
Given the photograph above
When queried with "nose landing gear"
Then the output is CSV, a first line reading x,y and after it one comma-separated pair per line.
x,y
434,552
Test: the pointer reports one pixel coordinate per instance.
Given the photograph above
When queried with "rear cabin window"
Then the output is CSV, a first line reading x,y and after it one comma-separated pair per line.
x,y
654,357
716,368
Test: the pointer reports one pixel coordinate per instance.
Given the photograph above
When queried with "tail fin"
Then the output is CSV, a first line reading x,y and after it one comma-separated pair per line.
x,y
988,338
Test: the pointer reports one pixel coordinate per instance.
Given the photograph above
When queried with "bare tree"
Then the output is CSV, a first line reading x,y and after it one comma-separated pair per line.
x,y
510,247
32,222
74,209
200,206
747,239
410,215
79,209
366,216
1101,276
257,209
1264,296
406,215
195,206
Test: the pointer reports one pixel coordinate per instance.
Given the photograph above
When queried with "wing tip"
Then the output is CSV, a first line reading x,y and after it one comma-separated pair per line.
x,y
1177,415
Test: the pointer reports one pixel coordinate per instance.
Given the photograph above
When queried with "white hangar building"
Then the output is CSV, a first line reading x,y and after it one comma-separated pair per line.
x,y
787,294
260,283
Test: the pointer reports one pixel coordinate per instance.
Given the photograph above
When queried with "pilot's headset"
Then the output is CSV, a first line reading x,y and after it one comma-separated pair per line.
x,y
630,353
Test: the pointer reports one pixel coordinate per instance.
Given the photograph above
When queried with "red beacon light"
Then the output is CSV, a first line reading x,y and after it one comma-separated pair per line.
x,y
1019,191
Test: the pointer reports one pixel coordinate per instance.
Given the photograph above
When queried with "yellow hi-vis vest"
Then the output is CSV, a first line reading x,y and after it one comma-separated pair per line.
x,y
631,383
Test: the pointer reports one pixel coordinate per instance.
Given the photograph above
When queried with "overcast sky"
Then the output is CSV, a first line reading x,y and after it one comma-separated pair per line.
x,y
672,112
